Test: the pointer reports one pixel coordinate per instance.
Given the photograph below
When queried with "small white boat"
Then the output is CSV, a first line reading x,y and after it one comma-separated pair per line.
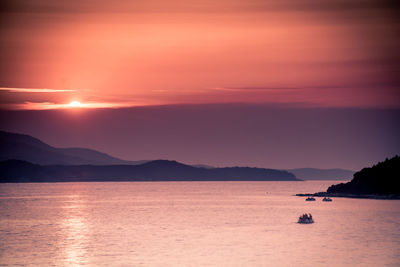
x,y
310,199
326,199
305,219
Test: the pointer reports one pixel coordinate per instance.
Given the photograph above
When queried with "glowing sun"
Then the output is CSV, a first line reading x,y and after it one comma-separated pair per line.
x,y
75,104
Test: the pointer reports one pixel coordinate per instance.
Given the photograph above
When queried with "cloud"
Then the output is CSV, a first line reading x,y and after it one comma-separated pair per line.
x,y
89,6
217,54
35,90
44,99
255,89
50,106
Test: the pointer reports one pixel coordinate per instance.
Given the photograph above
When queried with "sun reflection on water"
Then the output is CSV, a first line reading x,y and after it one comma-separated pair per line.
x,y
76,230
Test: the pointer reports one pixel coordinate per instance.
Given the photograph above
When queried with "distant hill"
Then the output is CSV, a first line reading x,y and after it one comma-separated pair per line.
x,y
27,148
322,174
12,171
310,173
381,179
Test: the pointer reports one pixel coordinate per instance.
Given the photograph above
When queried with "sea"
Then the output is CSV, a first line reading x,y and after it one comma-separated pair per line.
x,y
192,224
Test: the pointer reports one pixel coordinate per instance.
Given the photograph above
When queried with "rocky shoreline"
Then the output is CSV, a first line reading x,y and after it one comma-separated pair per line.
x,y
343,195
380,181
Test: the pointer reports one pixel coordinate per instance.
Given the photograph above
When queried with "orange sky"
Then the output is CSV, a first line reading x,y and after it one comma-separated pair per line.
x,y
268,83
131,53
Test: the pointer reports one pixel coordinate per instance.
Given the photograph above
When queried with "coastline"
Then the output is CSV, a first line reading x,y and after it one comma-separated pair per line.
x,y
343,195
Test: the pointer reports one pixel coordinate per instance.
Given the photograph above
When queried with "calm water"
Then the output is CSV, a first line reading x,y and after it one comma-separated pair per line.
x,y
192,224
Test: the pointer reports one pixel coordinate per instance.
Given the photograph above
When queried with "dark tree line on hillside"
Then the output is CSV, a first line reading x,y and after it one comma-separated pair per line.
x,y
380,179
12,171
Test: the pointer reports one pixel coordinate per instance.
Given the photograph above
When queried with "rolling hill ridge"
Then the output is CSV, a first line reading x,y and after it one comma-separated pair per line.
x,y
27,148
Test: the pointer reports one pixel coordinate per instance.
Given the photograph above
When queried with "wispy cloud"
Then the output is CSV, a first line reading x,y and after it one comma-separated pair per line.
x,y
34,90
255,89
13,98
50,105
48,6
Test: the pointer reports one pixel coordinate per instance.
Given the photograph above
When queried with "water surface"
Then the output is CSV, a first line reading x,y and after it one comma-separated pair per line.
x,y
192,224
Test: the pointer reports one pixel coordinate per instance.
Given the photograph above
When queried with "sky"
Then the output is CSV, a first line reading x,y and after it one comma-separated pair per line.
x,y
257,135
324,61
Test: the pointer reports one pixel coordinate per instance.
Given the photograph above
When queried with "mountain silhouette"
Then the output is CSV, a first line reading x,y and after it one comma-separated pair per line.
x,y
381,179
27,148
24,158
12,171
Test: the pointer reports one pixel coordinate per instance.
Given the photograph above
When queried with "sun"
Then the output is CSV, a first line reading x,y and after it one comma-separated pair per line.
x,y
75,104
